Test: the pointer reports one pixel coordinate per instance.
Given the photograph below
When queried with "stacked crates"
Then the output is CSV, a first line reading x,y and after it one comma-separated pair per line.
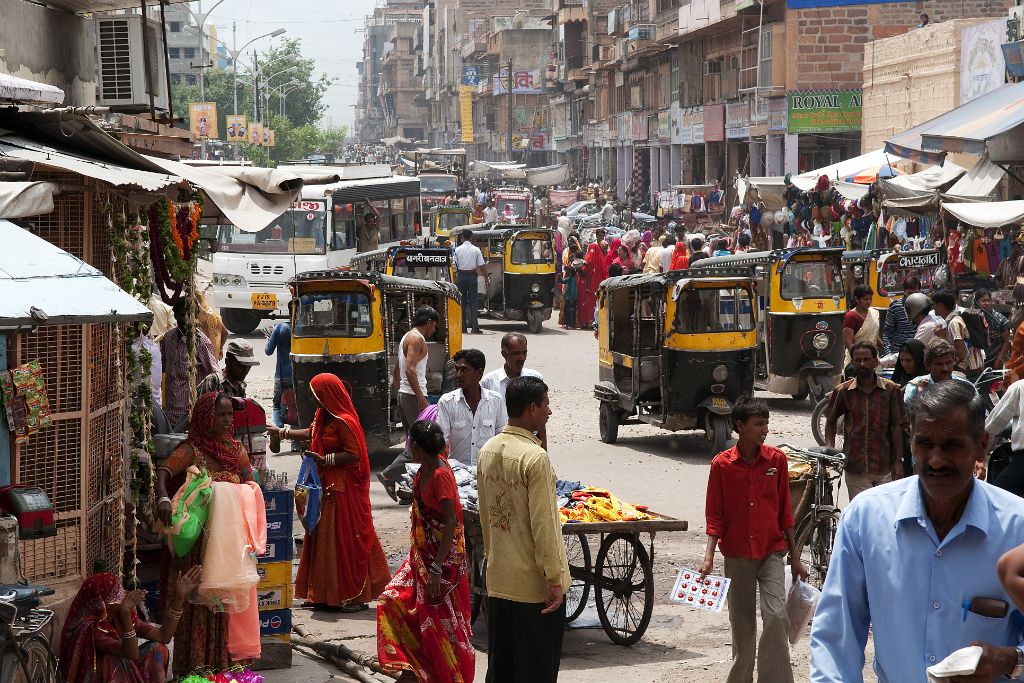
x,y
274,591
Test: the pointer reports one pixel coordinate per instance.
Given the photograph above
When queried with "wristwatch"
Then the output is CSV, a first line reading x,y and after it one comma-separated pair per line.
x,y
1018,670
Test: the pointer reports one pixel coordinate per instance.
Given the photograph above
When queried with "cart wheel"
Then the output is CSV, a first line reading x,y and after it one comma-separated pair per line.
x,y
721,430
608,423
534,321
624,588
577,551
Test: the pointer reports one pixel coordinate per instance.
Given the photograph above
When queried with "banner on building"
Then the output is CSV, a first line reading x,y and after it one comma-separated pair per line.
x,y
776,114
982,66
714,122
524,82
256,133
664,127
237,128
202,120
737,120
271,137
466,112
824,111
471,75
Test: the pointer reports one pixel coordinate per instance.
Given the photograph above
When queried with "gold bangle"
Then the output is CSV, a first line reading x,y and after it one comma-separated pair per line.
x,y
174,614
129,634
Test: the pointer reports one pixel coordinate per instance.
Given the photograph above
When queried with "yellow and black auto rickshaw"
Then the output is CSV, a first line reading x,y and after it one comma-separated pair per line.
x,y
409,260
885,271
521,263
350,324
675,350
801,300
446,218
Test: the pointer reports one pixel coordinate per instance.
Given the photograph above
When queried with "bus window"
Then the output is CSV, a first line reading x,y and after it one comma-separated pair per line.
x,y
400,219
344,227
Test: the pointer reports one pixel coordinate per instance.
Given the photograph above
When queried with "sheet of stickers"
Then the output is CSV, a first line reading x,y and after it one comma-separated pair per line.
x,y
707,595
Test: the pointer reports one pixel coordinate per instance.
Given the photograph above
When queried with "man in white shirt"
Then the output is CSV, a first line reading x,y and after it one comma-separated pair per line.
x,y
490,213
470,415
469,262
668,250
1007,413
564,226
607,213
513,350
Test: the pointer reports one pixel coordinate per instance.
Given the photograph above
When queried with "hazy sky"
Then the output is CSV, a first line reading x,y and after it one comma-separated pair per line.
x,y
328,30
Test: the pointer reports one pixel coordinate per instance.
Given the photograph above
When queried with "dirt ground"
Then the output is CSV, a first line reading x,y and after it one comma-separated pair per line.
x,y
647,466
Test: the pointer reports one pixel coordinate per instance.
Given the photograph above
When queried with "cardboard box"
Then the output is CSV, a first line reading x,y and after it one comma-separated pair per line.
x,y
274,574
274,598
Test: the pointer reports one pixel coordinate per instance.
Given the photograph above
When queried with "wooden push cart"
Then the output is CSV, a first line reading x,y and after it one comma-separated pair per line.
x,y
622,577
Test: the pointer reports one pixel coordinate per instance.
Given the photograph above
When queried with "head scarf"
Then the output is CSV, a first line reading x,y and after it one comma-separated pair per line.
x,y
88,610
613,246
336,402
916,349
226,451
647,238
680,256
597,269
631,238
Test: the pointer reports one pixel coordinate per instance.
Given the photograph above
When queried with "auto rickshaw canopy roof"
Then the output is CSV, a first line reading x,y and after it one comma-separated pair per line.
x,y
676,278
379,280
753,258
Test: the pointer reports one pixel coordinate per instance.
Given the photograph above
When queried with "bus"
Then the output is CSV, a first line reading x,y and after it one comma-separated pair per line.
x,y
321,230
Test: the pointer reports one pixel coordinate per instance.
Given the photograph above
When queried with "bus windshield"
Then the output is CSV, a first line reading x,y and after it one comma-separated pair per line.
x,y
333,314
518,207
438,184
812,280
296,231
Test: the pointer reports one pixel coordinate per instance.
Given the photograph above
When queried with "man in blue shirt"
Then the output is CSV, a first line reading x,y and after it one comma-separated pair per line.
x,y
280,341
913,559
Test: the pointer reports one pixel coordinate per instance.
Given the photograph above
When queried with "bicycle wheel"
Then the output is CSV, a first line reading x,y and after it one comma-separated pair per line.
x,y
36,663
818,423
814,541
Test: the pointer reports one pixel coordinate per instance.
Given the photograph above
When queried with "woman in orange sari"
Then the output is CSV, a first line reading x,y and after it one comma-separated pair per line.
x,y
201,638
423,617
343,564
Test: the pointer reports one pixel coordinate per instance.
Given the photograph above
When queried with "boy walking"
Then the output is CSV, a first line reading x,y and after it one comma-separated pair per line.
x,y
749,516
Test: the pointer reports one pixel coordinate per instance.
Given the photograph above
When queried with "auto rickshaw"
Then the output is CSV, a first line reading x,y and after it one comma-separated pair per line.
x,y
446,218
675,350
801,304
521,262
350,323
409,260
885,271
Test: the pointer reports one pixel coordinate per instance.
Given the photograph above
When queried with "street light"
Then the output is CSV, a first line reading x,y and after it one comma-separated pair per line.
x,y
284,97
280,87
234,55
201,18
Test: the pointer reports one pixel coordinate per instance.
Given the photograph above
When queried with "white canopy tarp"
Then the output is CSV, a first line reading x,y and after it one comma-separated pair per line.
x,y
931,178
987,214
18,89
248,197
770,189
548,175
850,190
37,274
19,200
979,183
844,169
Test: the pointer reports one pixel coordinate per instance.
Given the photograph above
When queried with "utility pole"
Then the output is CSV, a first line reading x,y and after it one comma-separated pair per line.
x,y
508,113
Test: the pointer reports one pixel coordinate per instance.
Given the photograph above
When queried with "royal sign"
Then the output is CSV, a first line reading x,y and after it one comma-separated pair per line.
x,y
824,111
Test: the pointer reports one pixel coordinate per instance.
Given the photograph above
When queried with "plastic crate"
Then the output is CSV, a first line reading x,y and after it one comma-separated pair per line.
x,y
274,598
277,502
279,525
278,550
274,574
275,622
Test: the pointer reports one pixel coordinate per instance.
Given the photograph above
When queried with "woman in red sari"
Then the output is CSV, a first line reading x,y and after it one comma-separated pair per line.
x,y
594,273
201,639
343,564
423,617
100,639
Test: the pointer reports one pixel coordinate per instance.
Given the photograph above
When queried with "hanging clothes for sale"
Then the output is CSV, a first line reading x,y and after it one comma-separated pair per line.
x,y
956,265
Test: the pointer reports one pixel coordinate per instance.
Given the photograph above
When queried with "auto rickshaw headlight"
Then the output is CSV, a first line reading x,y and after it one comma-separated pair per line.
x,y
648,371
535,287
820,341
720,373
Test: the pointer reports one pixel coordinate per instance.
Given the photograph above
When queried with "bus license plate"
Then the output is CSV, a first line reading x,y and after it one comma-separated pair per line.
x,y
719,403
264,301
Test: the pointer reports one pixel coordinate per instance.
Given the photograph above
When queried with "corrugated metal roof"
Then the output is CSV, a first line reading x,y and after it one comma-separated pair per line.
x,y
37,274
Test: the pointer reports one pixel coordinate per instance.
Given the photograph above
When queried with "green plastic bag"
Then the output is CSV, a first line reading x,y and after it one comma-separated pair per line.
x,y
189,510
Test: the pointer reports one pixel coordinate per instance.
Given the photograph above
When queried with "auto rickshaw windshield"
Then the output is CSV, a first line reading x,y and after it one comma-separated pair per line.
x,y
451,220
812,280
334,314
703,310
531,250
891,278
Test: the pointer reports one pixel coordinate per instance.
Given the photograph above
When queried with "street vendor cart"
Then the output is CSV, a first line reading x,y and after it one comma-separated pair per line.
x,y
622,576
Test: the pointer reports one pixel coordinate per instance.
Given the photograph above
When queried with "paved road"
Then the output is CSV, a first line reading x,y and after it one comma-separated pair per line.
x,y
648,466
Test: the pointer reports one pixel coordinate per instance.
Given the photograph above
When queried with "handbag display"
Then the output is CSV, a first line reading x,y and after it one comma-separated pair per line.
x,y
308,493
190,508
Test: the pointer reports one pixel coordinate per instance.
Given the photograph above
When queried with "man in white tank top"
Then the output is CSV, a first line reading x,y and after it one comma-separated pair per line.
x,y
410,375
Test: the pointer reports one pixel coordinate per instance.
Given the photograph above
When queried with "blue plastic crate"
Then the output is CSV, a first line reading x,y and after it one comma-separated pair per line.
x,y
279,525
275,622
280,549
278,502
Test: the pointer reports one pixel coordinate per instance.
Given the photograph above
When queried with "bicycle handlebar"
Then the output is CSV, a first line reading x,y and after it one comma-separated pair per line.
x,y
825,453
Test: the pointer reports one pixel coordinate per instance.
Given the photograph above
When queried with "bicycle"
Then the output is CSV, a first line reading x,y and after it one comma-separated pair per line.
x,y
816,528
25,653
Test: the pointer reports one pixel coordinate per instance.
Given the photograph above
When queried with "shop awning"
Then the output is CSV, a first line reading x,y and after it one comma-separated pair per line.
x,y
978,184
19,200
548,175
14,89
842,170
35,274
992,124
988,214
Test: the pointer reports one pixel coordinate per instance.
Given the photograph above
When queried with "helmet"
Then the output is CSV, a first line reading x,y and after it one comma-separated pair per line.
x,y
916,304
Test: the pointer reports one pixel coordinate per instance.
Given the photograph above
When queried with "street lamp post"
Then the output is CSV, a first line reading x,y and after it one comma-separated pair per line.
x,y
201,18
235,52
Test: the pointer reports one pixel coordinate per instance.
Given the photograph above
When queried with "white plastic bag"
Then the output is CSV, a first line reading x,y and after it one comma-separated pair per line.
x,y
963,662
800,604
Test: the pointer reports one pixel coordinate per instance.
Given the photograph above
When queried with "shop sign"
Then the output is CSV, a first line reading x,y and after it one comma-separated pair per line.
x,y
471,75
737,119
824,111
714,122
676,135
664,127
524,82
698,129
982,67
759,110
919,260
639,126
777,114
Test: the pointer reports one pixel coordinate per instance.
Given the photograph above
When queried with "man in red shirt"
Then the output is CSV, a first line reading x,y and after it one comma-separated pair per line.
x,y
750,517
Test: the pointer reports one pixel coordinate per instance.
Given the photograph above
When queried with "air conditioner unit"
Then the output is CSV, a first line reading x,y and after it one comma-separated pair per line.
x,y
122,62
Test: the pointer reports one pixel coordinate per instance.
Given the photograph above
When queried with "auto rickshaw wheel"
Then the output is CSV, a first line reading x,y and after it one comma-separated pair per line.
x,y
721,430
534,321
802,394
240,321
608,422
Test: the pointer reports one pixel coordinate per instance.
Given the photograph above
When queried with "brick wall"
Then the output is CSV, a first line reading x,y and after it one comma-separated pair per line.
x,y
826,44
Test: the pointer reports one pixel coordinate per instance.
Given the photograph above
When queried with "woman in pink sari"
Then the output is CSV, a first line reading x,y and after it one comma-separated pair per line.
x,y
594,273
